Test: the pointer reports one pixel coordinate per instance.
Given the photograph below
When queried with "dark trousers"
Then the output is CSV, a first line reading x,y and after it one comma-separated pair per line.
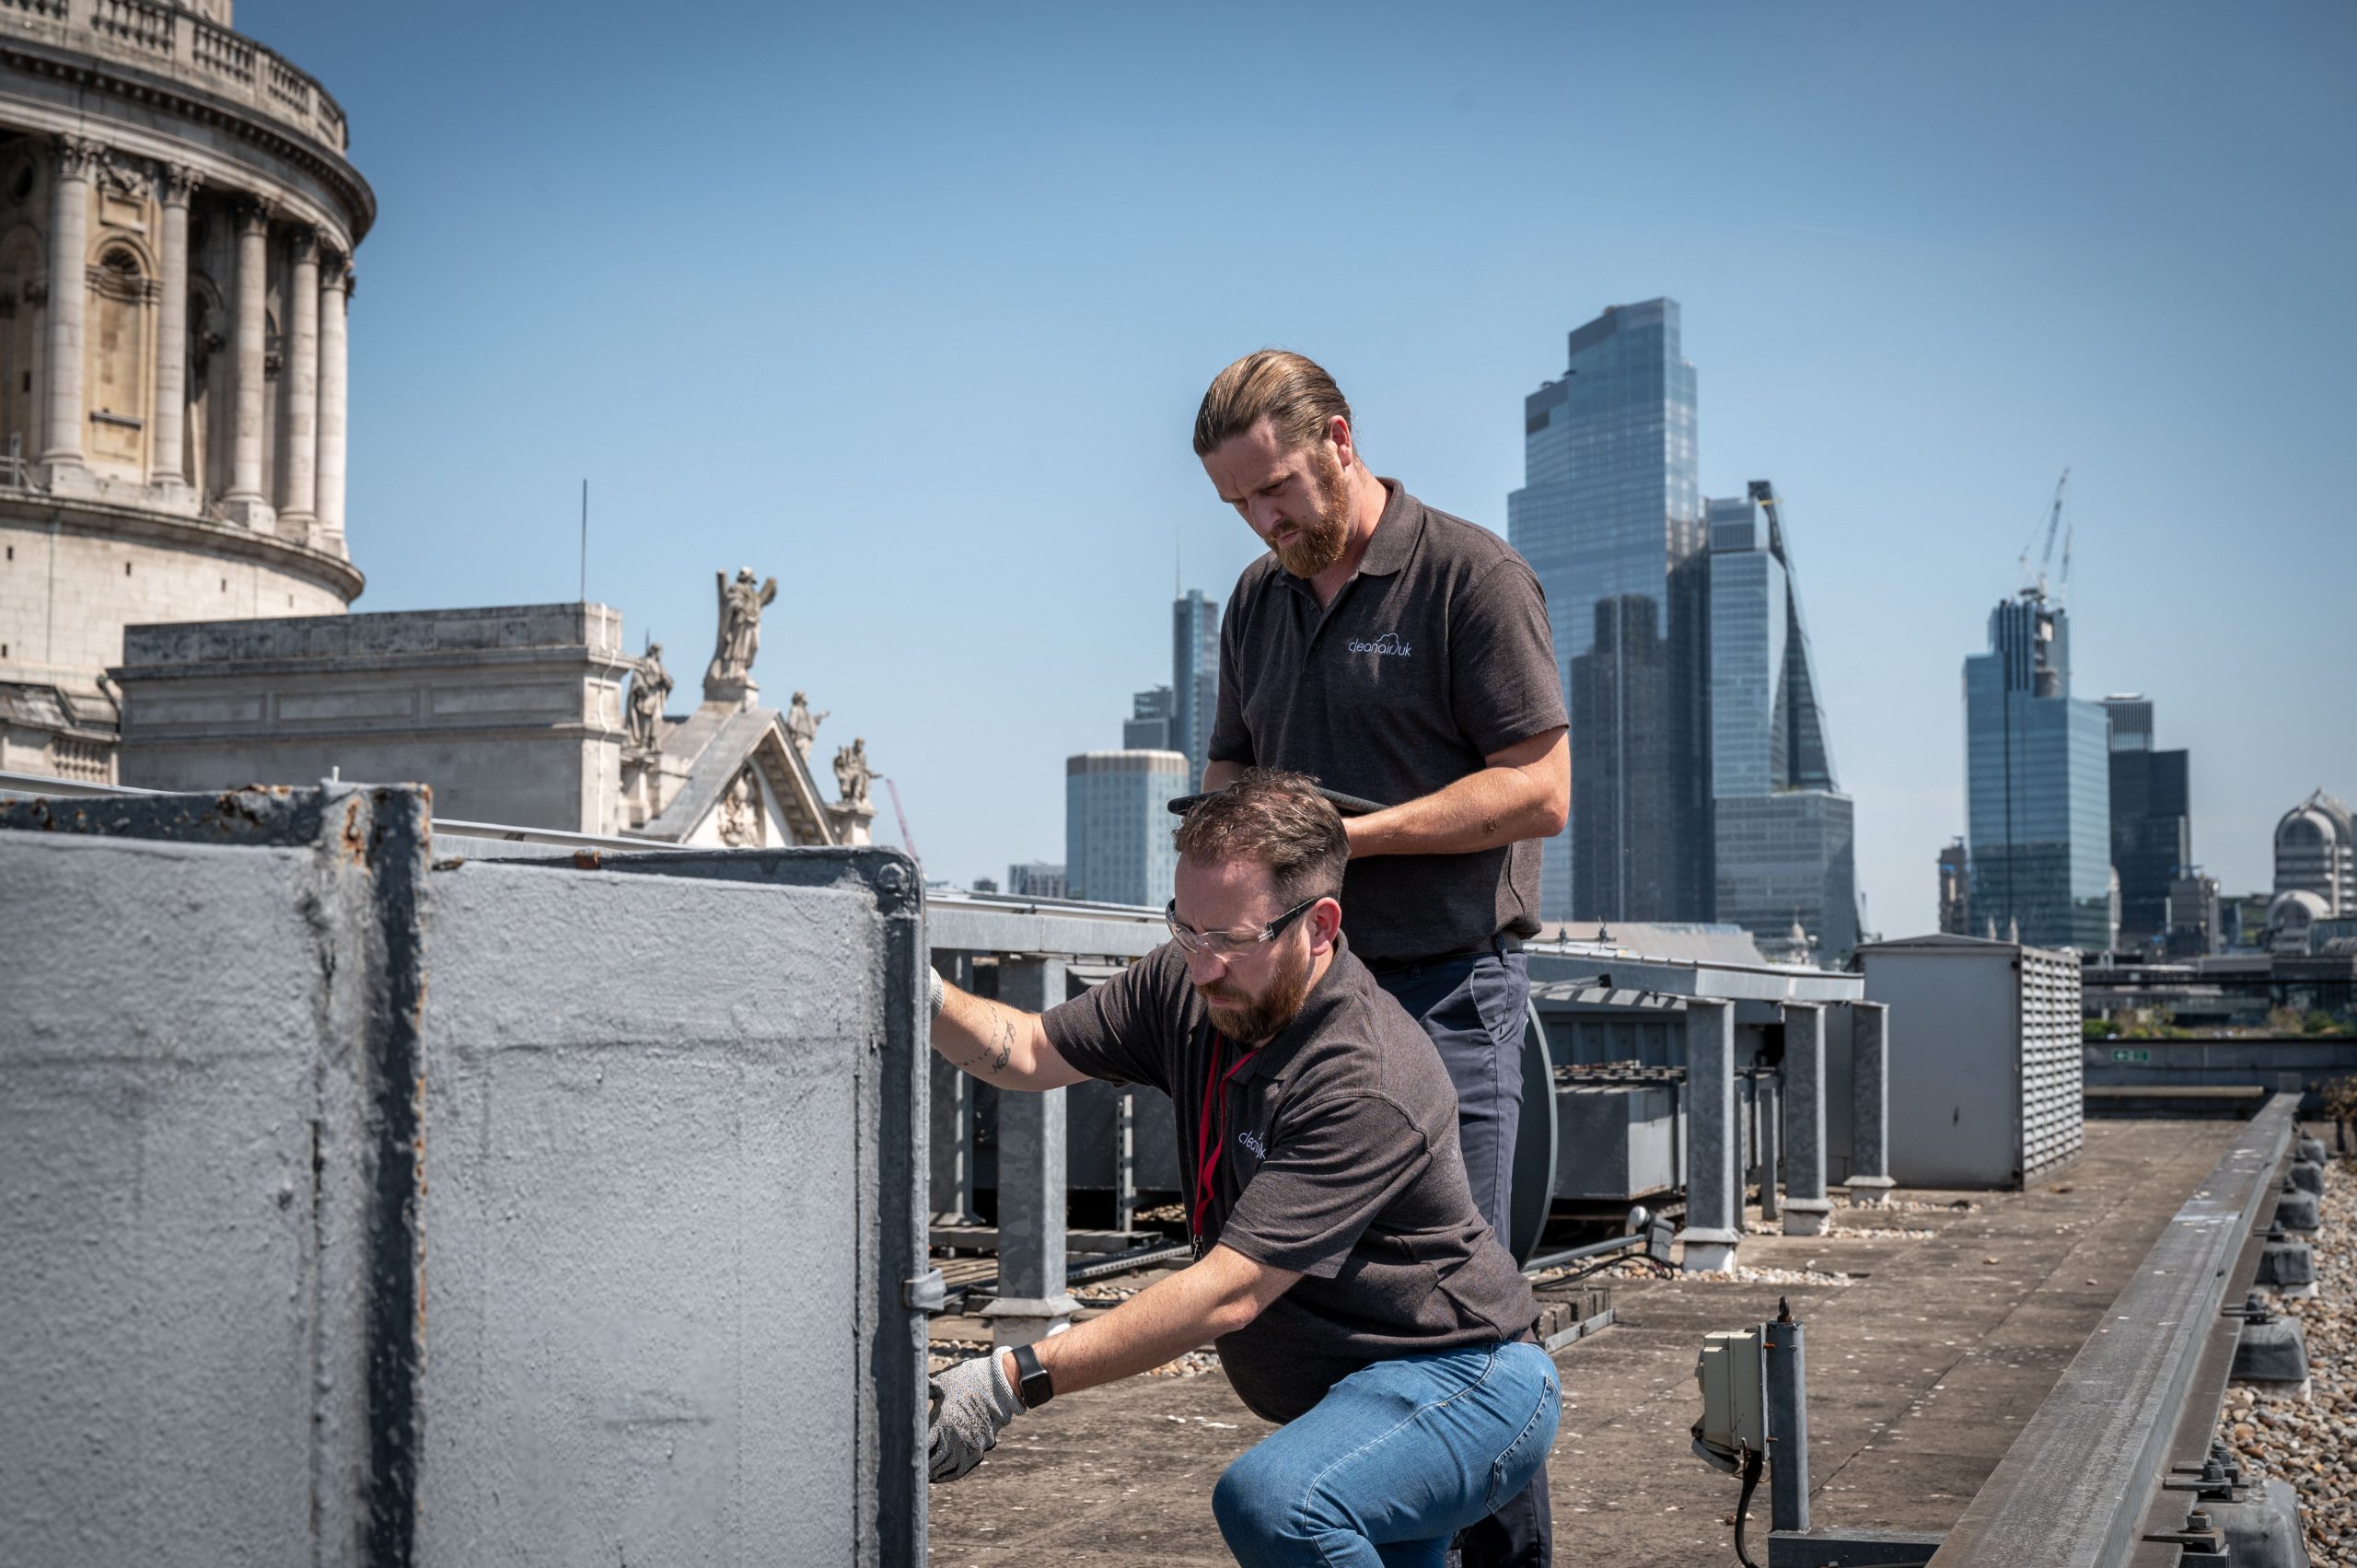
x,y
1474,1008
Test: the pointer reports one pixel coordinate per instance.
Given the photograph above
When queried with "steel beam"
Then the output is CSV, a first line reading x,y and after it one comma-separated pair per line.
x,y
1869,1102
2075,1488
1806,1205
1033,1302
1714,1181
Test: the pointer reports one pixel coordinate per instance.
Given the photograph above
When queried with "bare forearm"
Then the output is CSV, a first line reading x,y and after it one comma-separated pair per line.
x,y
1504,802
1218,1295
1001,1045
1218,775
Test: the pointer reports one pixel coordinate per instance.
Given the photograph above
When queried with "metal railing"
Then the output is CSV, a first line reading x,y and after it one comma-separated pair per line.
x,y
2084,1485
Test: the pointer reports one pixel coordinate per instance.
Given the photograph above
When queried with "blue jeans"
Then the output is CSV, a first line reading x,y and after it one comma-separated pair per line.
x,y
1476,1009
1394,1460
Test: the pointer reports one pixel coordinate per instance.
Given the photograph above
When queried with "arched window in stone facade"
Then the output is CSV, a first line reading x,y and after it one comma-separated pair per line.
x,y
118,369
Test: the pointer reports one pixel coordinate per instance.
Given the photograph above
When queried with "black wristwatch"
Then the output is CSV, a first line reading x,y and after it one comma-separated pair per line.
x,y
1031,1379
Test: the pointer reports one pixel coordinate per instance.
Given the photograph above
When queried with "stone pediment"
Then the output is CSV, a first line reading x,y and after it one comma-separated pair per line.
x,y
720,743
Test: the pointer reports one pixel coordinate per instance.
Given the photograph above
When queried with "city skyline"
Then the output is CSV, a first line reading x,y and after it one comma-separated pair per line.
x,y
1925,317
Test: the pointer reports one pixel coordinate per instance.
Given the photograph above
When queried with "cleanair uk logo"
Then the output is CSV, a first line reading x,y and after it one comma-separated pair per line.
x,y
1388,642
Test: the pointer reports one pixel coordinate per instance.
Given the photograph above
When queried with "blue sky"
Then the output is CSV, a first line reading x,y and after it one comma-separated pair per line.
x,y
912,307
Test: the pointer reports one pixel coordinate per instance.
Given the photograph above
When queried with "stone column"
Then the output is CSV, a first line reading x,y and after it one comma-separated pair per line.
x,y
1033,1302
75,160
1714,1178
336,284
299,452
1870,1181
1806,1205
167,460
250,327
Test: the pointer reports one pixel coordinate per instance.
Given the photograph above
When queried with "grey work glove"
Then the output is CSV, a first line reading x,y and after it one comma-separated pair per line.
x,y
971,1403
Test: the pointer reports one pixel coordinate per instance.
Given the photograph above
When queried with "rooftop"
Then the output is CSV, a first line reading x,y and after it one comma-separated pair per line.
x,y
1935,1329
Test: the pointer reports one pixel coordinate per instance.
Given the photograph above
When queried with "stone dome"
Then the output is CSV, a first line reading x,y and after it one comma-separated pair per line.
x,y
178,215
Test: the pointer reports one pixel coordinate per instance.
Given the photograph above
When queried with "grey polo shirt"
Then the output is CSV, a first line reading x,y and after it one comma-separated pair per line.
x,y
1434,655
1331,1152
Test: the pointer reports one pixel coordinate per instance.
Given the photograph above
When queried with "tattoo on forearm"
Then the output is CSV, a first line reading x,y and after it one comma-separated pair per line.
x,y
1005,1045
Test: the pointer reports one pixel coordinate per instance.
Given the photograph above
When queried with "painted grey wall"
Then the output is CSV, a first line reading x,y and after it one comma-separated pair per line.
x,y
643,1217
182,1196
515,1212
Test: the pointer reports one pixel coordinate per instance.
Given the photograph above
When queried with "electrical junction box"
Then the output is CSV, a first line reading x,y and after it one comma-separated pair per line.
x,y
1734,1398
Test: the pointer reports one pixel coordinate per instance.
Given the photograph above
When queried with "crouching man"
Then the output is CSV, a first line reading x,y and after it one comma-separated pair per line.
x,y
1355,1295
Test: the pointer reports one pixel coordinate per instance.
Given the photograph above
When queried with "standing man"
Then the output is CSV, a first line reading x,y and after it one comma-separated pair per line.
x,y
1401,654
1356,1296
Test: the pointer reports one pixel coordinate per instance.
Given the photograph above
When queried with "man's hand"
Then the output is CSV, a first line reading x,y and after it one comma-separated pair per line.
x,y
973,1401
1525,792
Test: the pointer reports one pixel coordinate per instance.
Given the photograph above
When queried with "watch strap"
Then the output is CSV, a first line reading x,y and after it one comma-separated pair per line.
x,y
1031,1379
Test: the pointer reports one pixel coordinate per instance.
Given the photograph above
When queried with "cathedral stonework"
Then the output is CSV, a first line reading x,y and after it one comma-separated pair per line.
x,y
178,217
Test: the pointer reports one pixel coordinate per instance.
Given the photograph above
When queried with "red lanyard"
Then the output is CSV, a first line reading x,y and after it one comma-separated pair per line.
x,y
1207,1148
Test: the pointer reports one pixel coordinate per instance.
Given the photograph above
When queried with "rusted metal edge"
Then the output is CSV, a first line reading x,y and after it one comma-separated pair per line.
x,y
2075,1486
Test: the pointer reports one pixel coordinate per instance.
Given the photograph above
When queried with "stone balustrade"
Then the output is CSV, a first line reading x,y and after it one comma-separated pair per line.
x,y
178,43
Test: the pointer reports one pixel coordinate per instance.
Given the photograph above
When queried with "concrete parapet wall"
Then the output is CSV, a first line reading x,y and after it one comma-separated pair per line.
x,y
524,1212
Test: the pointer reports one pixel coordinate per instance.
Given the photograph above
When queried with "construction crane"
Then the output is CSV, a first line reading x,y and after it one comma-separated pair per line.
x,y
2035,588
908,840
1763,493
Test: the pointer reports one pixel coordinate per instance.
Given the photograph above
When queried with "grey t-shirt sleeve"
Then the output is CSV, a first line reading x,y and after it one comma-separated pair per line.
x,y
1119,1031
1230,740
1324,1182
1504,686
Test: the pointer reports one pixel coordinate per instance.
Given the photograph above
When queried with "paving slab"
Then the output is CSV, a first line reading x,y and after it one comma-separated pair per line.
x,y
1926,1356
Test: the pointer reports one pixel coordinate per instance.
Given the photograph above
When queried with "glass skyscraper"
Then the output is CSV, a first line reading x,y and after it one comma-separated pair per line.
x,y
2152,822
2037,785
1118,848
1784,836
1194,679
1610,519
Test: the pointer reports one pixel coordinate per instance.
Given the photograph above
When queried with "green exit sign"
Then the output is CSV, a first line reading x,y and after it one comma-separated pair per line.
x,y
2123,1055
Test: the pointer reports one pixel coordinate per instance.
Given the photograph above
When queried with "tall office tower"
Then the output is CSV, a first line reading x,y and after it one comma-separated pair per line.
x,y
2315,851
2037,786
1194,679
1956,892
1151,723
1610,519
1784,835
1036,879
1117,825
2152,822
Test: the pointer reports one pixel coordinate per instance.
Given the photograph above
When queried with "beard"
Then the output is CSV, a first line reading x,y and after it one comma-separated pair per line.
x,y
1256,1020
1319,542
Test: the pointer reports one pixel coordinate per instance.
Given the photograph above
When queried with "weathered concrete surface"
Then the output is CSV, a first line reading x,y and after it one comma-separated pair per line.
x,y
644,1211
1921,1373
510,1212
187,1205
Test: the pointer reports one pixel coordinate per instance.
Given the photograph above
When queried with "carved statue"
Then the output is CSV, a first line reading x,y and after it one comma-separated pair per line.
x,y
802,724
852,773
650,687
740,814
741,604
